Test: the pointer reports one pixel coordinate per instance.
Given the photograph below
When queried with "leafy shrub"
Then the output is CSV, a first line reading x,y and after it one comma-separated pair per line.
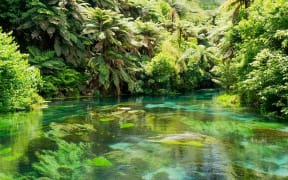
x,y
229,100
162,73
266,85
258,69
19,81
195,64
59,79
67,82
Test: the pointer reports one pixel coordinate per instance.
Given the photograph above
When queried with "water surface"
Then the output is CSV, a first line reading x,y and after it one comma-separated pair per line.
x,y
179,138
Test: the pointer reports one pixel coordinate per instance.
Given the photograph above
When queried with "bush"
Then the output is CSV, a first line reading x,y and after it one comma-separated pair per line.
x,y
258,68
19,81
229,100
266,85
58,78
162,74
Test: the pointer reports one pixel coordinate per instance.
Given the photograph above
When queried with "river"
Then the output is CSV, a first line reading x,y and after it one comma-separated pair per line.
x,y
181,137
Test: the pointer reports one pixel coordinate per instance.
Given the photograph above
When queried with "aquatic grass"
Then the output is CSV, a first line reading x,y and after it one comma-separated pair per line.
x,y
126,125
192,143
106,119
225,129
60,130
68,162
219,129
100,162
217,138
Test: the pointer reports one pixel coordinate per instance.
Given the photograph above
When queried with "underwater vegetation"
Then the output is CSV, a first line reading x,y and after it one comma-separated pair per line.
x,y
183,137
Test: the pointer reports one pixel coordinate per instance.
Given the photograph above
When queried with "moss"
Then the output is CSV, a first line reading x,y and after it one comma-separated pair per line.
x,y
191,143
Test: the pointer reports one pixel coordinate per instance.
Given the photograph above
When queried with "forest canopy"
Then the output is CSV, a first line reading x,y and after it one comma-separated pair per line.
x,y
159,47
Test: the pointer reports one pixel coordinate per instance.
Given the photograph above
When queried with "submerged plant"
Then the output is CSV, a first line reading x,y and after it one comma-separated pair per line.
x,y
100,162
126,125
68,162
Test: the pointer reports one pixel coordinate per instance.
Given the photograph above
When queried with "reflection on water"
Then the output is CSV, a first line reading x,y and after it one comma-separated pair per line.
x,y
184,138
16,131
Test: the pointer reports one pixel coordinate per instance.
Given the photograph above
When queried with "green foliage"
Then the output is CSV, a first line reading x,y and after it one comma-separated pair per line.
x,y
126,125
67,82
237,6
19,81
229,100
6,177
103,4
162,73
5,151
100,162
59,79
266,86
210,4
47,61
110,35
10,15
90,47
58,23
196,63
257,66
106,28
68,162
149,36
155,11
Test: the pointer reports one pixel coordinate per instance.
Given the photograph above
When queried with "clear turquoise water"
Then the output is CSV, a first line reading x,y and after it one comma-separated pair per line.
x,y
178,138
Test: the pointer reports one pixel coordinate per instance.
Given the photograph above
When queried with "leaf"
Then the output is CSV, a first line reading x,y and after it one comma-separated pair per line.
x,y
57,47
106,119
50,31
116,81
53,64
104,75
101,36
35,34
73,37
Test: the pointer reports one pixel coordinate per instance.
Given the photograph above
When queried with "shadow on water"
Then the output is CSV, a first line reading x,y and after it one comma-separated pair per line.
x,y
181,137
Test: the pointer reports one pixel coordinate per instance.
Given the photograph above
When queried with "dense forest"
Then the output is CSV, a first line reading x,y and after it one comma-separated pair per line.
x,y
70,48
143,89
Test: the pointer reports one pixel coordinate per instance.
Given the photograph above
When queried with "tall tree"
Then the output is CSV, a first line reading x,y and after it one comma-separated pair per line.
x,y
111,42
236,5
54,25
